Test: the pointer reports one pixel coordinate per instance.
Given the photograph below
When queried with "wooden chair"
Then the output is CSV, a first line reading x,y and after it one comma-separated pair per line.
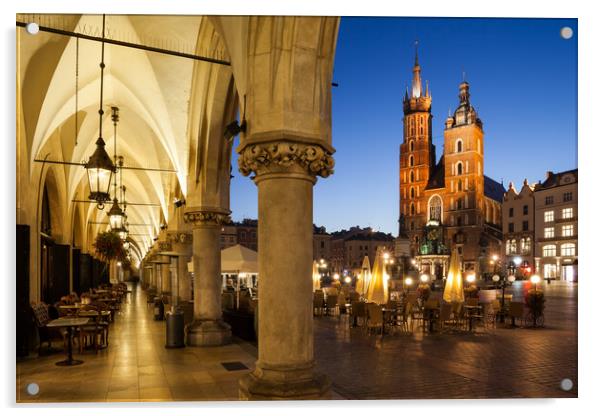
x,y
407,319
95,332
42,317
318,303
332,303
375,317
445,317
517,312
458,314
358,310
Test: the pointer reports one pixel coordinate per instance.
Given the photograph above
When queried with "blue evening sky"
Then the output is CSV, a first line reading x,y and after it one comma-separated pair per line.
x,y
523,83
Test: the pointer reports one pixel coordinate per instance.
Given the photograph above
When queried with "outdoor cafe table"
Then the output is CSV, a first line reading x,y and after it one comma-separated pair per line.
x,y
70,307
471,314
68,323
385,310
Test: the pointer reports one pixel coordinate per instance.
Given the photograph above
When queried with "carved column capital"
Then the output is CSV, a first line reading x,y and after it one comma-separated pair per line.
x,y
206,217
285,156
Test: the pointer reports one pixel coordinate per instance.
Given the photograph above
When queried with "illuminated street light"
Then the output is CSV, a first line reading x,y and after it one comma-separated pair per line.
x,y
470,278
336,276
424,278
535,279
496,278
511,278
348,280
517,261
408,281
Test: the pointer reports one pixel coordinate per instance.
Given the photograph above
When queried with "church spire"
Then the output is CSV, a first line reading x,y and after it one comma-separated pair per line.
x,y
416,81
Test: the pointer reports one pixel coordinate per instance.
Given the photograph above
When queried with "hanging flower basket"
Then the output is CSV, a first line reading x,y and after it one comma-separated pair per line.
x,y
108,246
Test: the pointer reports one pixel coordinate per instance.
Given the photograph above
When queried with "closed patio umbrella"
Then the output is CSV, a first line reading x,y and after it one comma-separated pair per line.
x,y
454,285
316,276
361,286
378,289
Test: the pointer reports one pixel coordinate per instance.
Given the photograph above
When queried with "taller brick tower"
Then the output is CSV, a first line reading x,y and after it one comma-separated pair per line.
x,y
416,156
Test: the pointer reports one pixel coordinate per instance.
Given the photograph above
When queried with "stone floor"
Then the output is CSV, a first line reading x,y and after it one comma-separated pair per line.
x,y
521,362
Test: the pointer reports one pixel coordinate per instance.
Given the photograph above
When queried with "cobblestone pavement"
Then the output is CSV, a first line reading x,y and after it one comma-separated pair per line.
x,y
504,363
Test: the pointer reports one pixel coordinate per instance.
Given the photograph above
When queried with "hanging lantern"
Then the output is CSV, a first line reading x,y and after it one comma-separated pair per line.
x,y
100,170
116,216
100,167
123,233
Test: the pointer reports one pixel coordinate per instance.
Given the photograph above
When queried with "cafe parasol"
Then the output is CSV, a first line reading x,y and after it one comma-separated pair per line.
x,y
315,276
364,278
454,285
378,290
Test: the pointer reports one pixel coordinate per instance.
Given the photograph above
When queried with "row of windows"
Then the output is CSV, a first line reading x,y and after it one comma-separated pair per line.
x,y
566,197
567,230
525,246
567,249
511,226
525,211
566,214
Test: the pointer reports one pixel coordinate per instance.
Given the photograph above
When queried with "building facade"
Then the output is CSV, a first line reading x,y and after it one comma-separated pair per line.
x,y
349,247
451,203
556,247
518,219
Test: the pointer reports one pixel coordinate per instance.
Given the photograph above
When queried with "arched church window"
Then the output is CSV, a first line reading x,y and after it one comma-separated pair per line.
x,y
412,209
460,185
435,204
411,162
412,176
459,145
411,145
459,168
411,192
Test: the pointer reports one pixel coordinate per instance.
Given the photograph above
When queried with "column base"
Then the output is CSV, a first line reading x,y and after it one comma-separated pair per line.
x,y
205,333
284,383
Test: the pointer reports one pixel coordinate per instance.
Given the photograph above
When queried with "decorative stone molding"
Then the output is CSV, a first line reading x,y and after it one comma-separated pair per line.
x,y
165,246
285,156
179,238
205,218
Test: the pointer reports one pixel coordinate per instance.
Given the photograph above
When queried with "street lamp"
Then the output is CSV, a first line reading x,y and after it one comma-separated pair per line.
x,y
424,278
535,279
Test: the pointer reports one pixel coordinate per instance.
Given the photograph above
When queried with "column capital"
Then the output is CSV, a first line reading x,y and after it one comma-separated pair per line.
x,y
286,156
206,217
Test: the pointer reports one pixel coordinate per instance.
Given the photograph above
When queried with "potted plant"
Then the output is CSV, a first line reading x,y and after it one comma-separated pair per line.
x,y
535,303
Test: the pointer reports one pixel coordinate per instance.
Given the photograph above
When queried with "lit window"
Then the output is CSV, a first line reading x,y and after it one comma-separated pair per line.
x,y
548,232
549,251
548,216
567,213
512,246
567,230
567,249
526,245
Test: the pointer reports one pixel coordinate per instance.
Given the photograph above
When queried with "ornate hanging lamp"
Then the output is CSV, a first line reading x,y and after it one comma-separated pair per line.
x,y
116,215
100,167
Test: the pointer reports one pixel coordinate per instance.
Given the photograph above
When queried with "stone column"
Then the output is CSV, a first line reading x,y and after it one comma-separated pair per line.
x,y
165,275
285,174
183,278
207,328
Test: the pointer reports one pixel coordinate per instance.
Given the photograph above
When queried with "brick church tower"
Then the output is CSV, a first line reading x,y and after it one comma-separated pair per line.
x,y
450,203
416,155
